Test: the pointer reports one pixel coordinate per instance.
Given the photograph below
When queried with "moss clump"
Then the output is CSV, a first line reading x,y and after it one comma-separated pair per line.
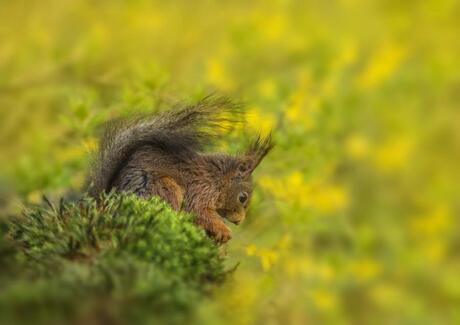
x,y
122,259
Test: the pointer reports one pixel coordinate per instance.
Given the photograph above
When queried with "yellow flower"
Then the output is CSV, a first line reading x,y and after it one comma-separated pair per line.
x,y
432,228
329,198
329,86
381,65
434,250
304,80
284,242
347,55
89,144
251,250
260,121
148,20
356,146
41,36
365,269
100,33
69,153
325,272
267,257
241,296
295,180
432,224
217,74
269,184
35,197
272,27
324,300
293,111
386,295
297,266
267,88
300,108
323,197
393,154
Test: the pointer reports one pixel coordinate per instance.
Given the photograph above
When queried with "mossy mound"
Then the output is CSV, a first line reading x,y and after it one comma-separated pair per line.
x,y
122,259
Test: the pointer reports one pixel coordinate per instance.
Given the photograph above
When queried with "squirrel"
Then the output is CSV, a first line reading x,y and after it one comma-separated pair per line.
x,y
162,155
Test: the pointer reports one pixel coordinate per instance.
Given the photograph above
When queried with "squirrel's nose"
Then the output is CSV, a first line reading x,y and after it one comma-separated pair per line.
x,y
243,197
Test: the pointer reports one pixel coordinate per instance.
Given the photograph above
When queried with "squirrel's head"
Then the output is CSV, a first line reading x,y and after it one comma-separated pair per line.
x,y
236,190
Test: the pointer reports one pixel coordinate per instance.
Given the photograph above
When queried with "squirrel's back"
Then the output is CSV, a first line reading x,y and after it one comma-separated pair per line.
x,y
178,133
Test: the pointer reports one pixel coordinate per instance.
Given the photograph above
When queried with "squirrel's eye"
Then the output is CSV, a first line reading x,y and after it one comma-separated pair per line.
x,y
242,197
242,168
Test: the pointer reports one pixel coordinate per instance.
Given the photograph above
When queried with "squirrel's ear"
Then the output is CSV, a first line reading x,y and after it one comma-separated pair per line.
x,y
255,153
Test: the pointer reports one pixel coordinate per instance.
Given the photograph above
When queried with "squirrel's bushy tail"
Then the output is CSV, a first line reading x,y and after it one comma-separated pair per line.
x,y
180,132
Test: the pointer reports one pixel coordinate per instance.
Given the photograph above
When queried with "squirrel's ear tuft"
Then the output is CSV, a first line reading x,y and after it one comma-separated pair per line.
x,y
257,150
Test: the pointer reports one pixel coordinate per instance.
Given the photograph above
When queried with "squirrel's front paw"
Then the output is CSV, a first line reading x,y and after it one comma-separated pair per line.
x,y
214,227
218,231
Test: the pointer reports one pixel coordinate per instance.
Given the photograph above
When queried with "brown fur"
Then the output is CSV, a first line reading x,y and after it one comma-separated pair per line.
x,y
162,156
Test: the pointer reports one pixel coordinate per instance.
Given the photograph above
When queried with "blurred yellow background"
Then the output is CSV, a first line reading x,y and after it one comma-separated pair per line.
x,y
356,213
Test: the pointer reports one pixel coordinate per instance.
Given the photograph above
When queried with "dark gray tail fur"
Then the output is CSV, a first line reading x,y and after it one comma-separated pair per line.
x,y
180,132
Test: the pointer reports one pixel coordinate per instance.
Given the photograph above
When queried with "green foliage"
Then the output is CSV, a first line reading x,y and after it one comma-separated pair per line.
x,y
120,259
355,213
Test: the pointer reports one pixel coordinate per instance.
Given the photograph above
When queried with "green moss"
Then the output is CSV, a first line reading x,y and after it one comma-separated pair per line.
x,y
122,259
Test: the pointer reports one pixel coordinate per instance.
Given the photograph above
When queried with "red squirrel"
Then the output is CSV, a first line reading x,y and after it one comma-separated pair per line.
x,y
162,155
